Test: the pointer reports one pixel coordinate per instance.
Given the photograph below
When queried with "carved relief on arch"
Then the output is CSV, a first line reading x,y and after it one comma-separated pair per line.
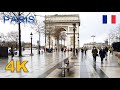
x,y
64,27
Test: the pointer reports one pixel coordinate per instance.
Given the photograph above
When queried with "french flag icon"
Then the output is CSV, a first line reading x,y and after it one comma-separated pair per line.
x,y
112,19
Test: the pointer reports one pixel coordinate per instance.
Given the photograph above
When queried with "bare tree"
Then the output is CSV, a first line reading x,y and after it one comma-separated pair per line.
x,y
37,26
114,36
17,14
118,33
1,39
13,36
49,30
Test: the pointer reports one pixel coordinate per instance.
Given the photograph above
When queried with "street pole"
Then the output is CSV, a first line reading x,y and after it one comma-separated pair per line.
x,y
74,43
74,56
39,44
31,44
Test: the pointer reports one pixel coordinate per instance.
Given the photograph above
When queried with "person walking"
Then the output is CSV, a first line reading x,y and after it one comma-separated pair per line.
x,y
62,49
82,50
76,51
85,49
12,52
94,53
111,50
106,50
102,54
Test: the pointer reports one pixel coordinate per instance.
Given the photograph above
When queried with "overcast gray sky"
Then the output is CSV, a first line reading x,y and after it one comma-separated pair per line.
x,y
91,24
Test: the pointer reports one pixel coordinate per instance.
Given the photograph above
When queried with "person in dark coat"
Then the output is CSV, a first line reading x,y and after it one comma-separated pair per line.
x,y
76,51
106,50
85,49
62,49
94,53
102,54
82,51
12,52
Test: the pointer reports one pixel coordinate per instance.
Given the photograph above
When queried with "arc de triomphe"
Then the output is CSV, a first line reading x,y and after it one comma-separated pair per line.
x,y
55,25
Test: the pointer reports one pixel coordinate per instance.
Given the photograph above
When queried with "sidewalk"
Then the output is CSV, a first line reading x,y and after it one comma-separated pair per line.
x,y
73,72
37,65
109,68
45,66
86,68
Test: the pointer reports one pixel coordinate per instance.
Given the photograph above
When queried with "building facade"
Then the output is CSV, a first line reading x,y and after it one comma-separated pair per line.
x,y
91,44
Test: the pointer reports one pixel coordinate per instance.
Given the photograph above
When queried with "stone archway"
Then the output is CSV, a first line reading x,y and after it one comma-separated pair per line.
x,y
59,23
57,34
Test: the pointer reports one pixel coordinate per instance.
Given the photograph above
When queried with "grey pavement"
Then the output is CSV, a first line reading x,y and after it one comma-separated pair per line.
x,y
44,66
86,68
37,64
109,69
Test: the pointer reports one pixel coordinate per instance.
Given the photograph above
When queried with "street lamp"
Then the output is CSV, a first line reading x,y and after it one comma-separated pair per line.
x,y
74,28
31,44
93,38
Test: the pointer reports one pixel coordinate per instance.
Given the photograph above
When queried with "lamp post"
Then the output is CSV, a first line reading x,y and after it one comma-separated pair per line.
x,y
93,39
39,43
74,28
31,44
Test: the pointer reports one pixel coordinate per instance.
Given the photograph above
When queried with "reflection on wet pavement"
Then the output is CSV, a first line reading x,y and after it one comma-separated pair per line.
x,y
37,64
45,66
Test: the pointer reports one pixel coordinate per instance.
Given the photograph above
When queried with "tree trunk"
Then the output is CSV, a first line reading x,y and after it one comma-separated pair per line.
x,y
20,51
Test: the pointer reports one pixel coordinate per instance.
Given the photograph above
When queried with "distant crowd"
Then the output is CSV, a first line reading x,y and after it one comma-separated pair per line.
x,y
102,52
